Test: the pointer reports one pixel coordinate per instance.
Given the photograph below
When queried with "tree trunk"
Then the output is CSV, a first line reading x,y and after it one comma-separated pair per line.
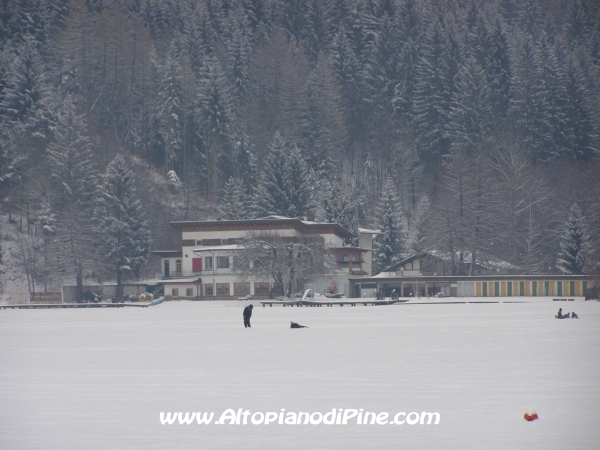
x,y
119,285
79,278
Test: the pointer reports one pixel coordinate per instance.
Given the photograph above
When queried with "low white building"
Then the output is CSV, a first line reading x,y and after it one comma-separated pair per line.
x,y
203,268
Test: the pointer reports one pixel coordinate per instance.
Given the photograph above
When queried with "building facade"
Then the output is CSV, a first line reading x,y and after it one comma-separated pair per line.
x,y
411,278
204,268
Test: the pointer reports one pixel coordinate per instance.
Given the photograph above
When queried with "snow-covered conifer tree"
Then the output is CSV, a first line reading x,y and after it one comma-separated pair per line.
x,y
499,71
25,95
25,100
272,195
72,196
390,245
574,244
215,116
245,160
298,186
323,128
239,48
469,117
418,234
123,231
432,96
169,115
335,203
234,205
581,133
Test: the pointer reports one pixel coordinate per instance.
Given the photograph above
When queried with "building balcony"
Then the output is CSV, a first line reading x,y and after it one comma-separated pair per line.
x,y
202,273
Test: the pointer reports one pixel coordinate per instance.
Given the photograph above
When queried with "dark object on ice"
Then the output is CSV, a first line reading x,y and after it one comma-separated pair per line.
x,y
560,315
530,417
297,325
91,297
574,316
333,294
247,314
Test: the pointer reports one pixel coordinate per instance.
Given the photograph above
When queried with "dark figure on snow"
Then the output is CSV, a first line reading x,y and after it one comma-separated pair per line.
x,y
297,325
559,315
574,316
247,314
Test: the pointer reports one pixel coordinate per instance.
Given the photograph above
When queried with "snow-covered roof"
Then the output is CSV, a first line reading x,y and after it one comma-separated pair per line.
x,y
217,248
303,226
167,253
362,249
367,230
180,280
275,217
385,275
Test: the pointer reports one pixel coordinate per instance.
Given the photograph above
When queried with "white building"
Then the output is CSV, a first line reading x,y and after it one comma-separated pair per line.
x,y
203,268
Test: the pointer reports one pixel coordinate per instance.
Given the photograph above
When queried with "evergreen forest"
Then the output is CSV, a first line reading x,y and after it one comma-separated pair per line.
x,y
467,128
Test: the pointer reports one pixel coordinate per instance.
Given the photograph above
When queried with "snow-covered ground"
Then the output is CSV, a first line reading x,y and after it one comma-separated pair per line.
x,y
98,378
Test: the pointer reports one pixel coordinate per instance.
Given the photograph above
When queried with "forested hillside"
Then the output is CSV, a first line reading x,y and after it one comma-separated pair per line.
x,y
469,128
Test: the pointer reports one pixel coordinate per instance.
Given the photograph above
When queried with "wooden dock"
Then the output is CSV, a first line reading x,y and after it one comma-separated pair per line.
x,y
320,303
73,305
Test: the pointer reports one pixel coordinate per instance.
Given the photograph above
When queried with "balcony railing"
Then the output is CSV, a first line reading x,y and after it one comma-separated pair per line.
x,y
342,267
175,274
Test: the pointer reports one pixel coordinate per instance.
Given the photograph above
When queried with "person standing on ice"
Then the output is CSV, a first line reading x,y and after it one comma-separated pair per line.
x,y
247,314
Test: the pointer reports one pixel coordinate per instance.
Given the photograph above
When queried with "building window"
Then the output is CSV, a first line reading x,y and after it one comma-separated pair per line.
x,y
222,262
236,264
261,288
208,262
189,292
241,289
198,242
208,290
222,288
175,292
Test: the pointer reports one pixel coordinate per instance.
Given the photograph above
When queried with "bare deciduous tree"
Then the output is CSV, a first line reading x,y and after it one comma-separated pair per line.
x,y
28,255
289,261
522,225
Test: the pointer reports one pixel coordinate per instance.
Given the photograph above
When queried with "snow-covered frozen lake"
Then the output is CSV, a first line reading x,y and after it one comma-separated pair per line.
x,y
99,378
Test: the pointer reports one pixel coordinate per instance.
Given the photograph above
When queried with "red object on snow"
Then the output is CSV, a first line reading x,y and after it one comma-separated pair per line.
x,y
530,417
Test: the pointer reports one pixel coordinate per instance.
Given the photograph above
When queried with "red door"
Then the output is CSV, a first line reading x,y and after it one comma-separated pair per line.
x,y
196,264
